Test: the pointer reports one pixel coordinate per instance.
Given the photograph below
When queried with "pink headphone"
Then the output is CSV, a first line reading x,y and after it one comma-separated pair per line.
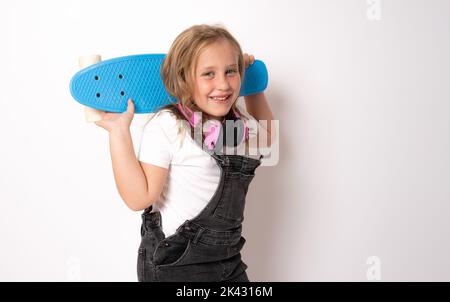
x,y
218,132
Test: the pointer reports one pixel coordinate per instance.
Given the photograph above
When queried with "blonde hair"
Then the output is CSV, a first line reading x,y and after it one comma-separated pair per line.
x,y
178,67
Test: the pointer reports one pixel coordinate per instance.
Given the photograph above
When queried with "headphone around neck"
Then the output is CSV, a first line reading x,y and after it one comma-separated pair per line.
x,y
231,132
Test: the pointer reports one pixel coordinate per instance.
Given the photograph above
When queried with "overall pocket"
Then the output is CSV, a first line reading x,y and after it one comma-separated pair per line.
x,y
172,253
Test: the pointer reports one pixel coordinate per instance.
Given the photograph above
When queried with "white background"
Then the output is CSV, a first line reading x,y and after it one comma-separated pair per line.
x,y
363,101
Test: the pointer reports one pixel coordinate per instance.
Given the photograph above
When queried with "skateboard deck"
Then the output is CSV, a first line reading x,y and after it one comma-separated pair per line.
x,y
109,84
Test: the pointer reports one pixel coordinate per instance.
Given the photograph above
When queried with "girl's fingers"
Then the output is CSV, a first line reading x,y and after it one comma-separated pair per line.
x,y
130,108
248,59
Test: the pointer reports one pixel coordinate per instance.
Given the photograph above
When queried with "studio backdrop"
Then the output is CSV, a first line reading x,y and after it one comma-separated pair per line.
x,y
358,188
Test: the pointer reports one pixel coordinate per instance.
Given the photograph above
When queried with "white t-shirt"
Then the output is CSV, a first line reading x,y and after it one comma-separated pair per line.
x,y
193,174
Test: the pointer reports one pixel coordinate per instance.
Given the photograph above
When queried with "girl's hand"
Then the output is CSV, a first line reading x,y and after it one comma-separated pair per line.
x,y
248,60
113,121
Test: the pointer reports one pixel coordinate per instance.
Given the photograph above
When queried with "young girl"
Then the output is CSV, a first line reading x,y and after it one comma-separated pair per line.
x,y
191,186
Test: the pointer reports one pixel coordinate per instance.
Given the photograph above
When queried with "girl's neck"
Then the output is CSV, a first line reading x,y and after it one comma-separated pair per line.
x,y
207,117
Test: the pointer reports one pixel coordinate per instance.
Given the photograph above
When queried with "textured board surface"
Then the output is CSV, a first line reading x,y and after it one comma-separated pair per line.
x,y
109,84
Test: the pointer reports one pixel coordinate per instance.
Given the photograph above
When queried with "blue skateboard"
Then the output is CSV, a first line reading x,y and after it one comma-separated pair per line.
x,y
109,84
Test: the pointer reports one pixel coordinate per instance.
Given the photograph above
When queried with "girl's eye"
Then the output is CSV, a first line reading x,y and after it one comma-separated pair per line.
x,y
229,71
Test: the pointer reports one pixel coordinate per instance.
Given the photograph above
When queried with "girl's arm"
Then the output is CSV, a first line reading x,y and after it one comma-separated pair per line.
x,y
139,184
258,107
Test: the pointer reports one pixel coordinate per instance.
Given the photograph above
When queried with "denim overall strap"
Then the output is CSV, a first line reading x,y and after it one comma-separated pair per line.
x,y
225,210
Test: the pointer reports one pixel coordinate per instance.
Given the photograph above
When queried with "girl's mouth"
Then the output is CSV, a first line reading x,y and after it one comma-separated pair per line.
x,y
220,100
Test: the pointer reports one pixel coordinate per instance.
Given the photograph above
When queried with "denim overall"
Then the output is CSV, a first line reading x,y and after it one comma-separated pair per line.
x,y
207,247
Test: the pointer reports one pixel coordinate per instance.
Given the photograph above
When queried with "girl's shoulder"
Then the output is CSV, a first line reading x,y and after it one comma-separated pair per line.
x,y
164,121
164,117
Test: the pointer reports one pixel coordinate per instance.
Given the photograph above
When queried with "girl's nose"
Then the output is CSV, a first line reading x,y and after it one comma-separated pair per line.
x,y
222,83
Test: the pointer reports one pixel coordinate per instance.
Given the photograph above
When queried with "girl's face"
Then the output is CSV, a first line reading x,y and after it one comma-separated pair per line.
x,y
217,81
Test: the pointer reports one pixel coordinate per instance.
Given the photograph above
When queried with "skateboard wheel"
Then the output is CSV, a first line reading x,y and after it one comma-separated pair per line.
x,y
90,114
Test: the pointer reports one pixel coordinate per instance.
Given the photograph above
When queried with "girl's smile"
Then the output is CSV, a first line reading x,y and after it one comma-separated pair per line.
x,y
223,100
